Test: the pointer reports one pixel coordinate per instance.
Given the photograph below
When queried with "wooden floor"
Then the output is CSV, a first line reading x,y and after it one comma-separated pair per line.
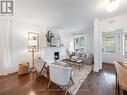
x,y
102,83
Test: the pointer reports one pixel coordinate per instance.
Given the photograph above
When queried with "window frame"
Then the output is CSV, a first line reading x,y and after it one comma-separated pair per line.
x,y
85,39
104,43
124,54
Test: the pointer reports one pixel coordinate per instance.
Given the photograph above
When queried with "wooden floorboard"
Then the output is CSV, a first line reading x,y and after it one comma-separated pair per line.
x,y
102,83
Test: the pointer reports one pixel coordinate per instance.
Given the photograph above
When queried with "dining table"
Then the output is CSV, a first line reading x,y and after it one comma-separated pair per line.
x,y
123,63
121,77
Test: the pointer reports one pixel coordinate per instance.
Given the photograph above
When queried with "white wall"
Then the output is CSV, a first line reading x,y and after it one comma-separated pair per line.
x,y
5,44
19,41
19,44
114,24
20,31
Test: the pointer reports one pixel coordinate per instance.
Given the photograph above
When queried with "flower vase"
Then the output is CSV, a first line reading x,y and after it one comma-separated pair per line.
x,y
49,44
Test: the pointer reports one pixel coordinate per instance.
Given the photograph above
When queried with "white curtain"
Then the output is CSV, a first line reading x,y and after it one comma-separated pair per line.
x,y
5,46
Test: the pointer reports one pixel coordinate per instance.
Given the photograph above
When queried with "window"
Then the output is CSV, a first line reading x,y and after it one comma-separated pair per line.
x,y
125,44
109,43
80,44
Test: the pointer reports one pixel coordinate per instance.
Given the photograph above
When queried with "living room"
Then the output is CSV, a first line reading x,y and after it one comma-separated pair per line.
x,y
84,37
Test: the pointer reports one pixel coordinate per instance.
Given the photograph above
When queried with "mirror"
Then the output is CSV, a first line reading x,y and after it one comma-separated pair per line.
x,y
55,40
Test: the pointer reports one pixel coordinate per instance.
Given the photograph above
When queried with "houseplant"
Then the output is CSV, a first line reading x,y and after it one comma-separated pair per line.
x,y
49,37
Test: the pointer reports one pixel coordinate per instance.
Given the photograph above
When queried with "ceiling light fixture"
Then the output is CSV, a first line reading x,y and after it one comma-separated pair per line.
x,y
112,5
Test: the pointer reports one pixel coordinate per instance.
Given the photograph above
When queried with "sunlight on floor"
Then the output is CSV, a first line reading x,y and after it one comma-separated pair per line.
x,y
32,93
109,78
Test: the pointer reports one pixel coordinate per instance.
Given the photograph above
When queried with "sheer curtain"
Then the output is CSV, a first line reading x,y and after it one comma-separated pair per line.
x,y
5,46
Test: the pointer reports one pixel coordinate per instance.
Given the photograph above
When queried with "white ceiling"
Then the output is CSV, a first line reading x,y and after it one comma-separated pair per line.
x,y
65,15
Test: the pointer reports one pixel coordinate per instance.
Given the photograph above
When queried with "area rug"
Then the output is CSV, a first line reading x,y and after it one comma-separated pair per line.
x,y
79,76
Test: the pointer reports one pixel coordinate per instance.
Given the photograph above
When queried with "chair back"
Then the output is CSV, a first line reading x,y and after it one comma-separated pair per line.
x,y
39,64
60,75
121,75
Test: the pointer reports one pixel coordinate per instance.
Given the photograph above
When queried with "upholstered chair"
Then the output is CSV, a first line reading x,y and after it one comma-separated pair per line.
x,y
60,76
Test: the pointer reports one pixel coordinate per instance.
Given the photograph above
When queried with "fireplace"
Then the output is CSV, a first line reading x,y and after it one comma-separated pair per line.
x,y
56,55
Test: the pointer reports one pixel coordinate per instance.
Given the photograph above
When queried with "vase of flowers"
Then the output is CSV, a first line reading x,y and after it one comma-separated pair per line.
x,y
49,37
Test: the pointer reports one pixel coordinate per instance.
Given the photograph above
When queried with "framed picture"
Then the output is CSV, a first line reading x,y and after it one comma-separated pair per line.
x,y
33,41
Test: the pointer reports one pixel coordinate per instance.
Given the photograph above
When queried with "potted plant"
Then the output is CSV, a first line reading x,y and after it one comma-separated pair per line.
x,y
49,37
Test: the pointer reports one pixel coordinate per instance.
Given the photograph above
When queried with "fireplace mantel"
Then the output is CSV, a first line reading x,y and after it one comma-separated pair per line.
x,y
48,53
52,47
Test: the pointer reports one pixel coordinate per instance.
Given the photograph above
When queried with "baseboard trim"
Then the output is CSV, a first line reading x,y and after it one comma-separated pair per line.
x,y
107,62
96,70
9,72
8,75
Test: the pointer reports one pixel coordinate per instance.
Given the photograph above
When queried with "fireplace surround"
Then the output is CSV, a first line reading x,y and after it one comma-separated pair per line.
x,y
56,55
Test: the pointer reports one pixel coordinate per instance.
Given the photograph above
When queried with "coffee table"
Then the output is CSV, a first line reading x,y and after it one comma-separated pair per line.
x,y
74,62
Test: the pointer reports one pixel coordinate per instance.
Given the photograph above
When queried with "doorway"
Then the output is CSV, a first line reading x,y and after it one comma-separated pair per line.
x,y
112,46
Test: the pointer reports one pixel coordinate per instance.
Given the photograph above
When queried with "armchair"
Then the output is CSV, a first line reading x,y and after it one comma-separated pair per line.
x,y
60,76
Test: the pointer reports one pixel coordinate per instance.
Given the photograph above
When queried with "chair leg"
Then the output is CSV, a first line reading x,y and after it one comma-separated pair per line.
x,y
116,82
42,69
117,86
121,92
49,83
72,80
65,92
124,93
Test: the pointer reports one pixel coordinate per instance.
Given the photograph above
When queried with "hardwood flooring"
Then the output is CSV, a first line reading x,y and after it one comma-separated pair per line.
x,y
102,83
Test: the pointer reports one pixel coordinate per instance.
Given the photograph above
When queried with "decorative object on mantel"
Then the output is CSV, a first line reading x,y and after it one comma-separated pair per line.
x,y
33,46
49,37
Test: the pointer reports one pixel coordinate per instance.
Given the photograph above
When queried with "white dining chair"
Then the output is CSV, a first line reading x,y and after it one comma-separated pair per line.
x,y
60,76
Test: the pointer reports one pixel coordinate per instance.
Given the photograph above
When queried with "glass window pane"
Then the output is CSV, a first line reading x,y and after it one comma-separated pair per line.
x,y
80,44
110,44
